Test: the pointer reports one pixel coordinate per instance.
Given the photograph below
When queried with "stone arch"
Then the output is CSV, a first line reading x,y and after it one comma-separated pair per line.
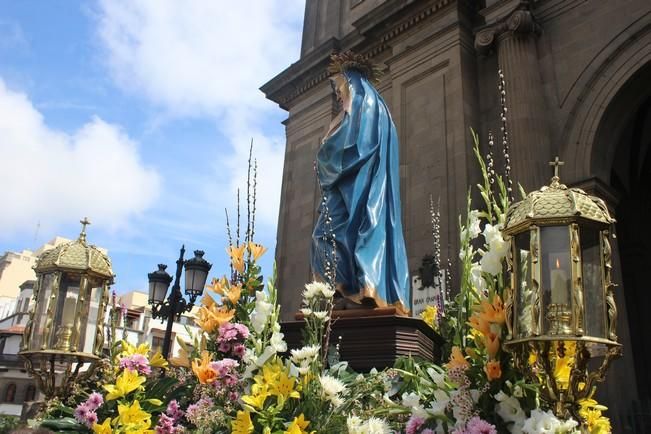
x,y
609,83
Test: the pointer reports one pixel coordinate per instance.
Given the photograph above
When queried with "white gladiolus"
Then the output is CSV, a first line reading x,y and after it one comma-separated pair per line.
x,y
509,409
277,341
261,313
541,422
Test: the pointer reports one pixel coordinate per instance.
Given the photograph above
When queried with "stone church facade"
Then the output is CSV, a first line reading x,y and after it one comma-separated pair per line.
x,y
578,85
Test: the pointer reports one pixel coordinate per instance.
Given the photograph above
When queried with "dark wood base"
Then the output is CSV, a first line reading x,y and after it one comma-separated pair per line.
x,y
371,338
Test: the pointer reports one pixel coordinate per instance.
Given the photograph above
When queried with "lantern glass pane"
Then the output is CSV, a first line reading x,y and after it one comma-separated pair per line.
x,y
523,291
88,332
556,276
40,315
64,317
593,290
195,280
160,291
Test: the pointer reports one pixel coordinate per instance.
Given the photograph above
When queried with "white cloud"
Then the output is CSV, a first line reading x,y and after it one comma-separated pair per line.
x,y
55,178
208,58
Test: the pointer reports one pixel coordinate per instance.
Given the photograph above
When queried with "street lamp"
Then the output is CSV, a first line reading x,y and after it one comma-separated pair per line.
x,y
560,308
196,274
66,327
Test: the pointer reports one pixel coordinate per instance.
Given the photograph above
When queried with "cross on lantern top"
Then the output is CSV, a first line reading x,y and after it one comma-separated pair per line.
x,y
556,163
85,222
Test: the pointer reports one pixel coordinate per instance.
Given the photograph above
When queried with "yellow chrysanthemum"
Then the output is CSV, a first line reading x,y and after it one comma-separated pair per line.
x,y
126,383
237,257
429,315
298,425
104,428
133,417
242,423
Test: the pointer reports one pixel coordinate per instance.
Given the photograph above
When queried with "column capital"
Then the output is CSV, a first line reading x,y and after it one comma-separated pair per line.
x,y
518,22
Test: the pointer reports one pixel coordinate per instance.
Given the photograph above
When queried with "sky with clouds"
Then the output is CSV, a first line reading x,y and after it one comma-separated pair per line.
x,y
139,115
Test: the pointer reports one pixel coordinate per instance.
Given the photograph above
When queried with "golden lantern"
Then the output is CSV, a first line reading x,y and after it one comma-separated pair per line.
x,y
560,308
66,328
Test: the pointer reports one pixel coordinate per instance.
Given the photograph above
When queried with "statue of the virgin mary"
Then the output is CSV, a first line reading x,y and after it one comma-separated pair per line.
x,y
358,171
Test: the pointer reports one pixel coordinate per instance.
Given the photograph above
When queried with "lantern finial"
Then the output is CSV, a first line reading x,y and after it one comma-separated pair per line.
x,y
85,222
557,163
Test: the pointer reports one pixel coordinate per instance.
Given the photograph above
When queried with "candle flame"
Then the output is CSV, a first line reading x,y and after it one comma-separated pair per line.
x,y
558,263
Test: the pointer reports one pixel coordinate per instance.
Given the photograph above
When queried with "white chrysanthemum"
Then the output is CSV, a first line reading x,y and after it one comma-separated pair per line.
x,y
320,315
331,386
277,341
317,289
308,353
306,311
376,426
354,425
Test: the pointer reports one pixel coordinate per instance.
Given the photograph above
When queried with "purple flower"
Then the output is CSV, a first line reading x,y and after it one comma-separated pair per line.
x,y
91,419
477,425
414,424
174,410
239,350
427,431
94,401
83,414
136,362
224,366
224,347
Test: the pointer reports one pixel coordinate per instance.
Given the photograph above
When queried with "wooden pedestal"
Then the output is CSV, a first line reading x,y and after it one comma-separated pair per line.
x,y
374,338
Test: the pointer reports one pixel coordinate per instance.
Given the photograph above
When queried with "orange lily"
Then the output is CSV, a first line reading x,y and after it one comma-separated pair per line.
x,y
237,257
457,360
211,316
492,343
202,370
218,285
493,312
493,370
256,250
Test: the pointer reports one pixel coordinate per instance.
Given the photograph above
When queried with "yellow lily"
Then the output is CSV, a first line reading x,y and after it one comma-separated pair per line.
x,y
133,416
242,423
298,425
158,361
126,383
104,428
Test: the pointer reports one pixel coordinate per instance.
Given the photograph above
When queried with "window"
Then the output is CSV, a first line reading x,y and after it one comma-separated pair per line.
x,y
30,393
10,393
156,344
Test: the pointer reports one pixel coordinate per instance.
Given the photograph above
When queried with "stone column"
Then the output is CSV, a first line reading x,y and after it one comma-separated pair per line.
x,y
514,40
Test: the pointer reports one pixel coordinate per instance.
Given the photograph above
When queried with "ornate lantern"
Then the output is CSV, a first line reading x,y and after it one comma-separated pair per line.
x,y
65,329
560,308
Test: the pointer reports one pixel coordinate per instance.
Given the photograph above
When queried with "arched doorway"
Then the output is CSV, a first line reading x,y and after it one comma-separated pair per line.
x,y
626,131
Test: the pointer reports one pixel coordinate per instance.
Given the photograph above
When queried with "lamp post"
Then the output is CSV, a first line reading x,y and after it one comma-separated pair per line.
x,y
196,274
65,330
560,308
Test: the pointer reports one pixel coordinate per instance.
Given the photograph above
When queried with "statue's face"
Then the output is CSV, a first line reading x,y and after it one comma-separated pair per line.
x,y
342,90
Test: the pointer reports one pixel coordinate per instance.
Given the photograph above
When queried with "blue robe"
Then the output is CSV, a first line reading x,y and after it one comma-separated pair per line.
x,y
358,169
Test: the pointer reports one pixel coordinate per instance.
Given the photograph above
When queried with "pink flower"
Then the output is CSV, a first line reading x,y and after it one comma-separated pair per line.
x,y
136,362
239,350
414,424
94,401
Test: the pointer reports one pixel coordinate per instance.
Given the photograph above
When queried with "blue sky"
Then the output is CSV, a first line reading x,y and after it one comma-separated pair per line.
x,y
139,115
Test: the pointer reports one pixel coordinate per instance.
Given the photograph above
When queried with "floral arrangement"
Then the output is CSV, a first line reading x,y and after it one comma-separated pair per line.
x,y
237,375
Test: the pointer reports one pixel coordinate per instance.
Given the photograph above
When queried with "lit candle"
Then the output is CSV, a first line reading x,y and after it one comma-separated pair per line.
x,y
560,284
